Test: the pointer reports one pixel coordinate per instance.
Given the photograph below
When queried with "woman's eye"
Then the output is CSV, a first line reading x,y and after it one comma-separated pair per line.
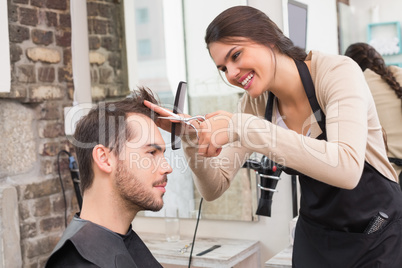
x,y
236,55
223,69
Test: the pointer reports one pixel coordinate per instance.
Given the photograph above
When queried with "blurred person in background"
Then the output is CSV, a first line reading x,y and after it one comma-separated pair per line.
x,y
385,85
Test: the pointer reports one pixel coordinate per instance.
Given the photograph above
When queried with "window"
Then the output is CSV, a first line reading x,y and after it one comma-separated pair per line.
x,y
144,48
142,16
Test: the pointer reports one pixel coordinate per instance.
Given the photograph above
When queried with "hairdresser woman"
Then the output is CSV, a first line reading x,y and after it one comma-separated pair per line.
x,y
314,111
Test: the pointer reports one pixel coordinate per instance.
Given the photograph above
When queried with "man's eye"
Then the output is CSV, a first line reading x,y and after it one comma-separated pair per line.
x,y
152,152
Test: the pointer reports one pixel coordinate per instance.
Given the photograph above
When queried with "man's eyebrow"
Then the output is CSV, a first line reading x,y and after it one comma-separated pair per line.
x,y
227,56
157,147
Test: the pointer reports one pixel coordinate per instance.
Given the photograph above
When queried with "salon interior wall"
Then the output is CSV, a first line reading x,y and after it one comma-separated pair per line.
x,y
322,31
272,232
205,83
360,13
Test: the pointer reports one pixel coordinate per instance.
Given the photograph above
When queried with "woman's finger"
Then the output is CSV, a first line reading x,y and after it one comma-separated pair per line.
x,y
212,151
208,116
202,139
224,113
158,109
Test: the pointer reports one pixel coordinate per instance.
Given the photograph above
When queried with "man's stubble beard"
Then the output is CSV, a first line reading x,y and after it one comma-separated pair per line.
x,y
133,192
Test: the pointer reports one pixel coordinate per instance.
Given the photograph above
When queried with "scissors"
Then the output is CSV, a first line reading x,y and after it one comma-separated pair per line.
x,y
173,116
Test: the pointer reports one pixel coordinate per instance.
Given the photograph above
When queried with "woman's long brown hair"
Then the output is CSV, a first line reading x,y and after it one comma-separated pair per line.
x,y
239,22
367,57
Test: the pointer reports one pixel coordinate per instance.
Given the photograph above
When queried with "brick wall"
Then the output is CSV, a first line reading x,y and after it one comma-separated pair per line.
x,y
31,115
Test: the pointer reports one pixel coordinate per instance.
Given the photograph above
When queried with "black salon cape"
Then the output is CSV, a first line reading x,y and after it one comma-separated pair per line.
x,y
85,244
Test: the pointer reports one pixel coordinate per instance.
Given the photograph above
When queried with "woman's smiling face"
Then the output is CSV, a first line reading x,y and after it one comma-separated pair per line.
x,y
246,64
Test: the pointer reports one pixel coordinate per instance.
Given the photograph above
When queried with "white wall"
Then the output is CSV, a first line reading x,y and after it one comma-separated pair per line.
x,y
203,77
273,232
5,71
174,44
272,8
363,12
322,23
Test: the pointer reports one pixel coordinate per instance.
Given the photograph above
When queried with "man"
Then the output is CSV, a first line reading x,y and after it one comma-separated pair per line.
x,y
123,170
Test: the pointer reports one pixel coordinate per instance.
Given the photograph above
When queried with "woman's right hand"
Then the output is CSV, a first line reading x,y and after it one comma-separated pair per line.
x,y
163,124
167,124
214,133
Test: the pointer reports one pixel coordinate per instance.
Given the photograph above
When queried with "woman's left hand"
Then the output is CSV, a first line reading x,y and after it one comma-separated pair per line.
x,y
214,133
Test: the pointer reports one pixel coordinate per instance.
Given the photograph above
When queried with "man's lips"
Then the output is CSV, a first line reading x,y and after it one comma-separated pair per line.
x,y
161,186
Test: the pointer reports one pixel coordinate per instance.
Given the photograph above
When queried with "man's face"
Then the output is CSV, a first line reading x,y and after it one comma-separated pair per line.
x,y
141,174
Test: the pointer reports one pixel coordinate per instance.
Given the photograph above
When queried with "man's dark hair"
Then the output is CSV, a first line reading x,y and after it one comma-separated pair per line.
x,y
106,124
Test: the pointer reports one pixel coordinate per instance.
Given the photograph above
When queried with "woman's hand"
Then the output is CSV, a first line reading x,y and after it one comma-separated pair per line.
x,y
214,133
166,124
163,124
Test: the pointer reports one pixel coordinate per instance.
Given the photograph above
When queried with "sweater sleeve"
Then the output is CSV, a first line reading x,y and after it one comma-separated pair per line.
x,y
213,175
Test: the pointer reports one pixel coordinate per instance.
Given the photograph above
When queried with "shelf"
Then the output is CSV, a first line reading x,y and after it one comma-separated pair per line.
x,y
385,37
399,64
232,253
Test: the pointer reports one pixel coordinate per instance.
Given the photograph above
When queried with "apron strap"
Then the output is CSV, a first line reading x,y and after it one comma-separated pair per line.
x,y
270,106
396,161
310,92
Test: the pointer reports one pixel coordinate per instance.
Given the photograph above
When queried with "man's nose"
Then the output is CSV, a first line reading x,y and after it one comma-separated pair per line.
x,y
167,169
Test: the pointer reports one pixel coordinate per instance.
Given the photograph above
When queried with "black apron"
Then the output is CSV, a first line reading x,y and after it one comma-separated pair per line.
x,y
332,221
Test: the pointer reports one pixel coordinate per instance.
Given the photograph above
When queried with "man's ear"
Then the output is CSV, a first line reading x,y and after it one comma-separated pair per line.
x,y
102,158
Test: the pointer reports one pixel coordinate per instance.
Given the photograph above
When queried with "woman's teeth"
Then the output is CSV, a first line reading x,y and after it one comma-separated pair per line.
x,y
245,81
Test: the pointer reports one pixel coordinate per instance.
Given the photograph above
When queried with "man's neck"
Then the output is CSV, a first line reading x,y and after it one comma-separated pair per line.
x,y
100,207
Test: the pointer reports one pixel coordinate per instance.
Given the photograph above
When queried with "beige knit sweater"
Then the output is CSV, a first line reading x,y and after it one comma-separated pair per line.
x,y
389,110
353,132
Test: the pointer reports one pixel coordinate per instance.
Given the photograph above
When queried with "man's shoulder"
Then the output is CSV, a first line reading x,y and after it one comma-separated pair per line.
x,y
85,244
65,254
92,244
68,256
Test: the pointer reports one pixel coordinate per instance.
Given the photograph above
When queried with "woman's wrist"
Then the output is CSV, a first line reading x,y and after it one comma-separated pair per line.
x,y
233,130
